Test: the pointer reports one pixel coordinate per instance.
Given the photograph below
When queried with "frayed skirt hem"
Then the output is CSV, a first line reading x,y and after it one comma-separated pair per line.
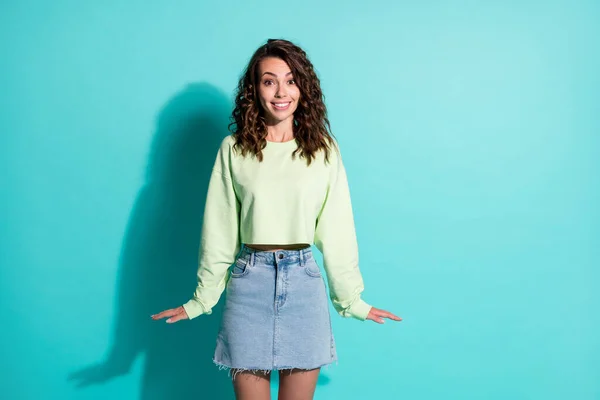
x,y
237,370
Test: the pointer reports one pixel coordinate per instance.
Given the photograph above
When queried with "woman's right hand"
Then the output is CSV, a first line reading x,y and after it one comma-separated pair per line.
x,y
174,314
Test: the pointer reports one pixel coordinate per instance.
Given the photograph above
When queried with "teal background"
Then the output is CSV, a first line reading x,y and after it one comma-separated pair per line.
x,y
469,131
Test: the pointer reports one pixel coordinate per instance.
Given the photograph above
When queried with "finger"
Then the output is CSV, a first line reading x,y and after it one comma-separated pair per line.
x,y
376,318
166,313
177,317
389,315
383,313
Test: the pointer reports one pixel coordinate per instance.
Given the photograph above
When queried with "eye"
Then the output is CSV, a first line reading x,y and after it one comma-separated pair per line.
x,y
292,81
268,82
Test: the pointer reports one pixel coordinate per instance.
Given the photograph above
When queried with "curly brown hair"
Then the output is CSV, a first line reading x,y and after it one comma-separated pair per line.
x,y
311,126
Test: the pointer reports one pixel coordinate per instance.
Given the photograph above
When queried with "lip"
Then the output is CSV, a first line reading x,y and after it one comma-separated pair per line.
x,y
282,108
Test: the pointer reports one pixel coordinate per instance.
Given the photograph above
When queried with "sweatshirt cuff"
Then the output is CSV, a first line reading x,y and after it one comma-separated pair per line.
x,y
359,309
193,309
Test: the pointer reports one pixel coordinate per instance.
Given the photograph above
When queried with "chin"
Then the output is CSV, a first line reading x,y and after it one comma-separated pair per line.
x,y
279,116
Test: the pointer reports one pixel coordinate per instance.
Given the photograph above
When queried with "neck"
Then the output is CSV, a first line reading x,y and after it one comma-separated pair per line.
x,y
281,131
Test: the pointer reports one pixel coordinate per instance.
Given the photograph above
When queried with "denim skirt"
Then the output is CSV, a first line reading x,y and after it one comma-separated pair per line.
x,y
276,313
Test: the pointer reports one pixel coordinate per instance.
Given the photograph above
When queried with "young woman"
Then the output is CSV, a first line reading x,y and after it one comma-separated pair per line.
x,y
277,186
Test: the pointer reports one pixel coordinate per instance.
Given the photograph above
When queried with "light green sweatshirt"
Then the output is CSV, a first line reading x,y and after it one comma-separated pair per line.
x,y
278,201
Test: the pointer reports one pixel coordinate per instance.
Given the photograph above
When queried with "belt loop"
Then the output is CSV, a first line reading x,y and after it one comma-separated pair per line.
x,y
301,257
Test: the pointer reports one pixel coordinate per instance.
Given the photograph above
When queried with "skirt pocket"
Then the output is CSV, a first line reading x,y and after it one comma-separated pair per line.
x,y
312,268
240,268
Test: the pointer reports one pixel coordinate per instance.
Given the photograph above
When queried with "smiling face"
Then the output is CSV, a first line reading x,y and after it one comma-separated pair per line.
x,y
277,90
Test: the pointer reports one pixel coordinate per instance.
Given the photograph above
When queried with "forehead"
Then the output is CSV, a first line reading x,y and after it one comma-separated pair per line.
x,y
274,65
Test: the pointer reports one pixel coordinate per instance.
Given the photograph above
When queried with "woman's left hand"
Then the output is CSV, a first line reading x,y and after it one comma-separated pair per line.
x,y
377,315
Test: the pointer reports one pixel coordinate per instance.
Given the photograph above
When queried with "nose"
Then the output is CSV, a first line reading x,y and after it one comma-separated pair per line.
x,y
280,93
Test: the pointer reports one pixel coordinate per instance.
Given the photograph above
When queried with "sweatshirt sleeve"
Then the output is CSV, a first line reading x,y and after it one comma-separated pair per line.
x,y
335,237
220,241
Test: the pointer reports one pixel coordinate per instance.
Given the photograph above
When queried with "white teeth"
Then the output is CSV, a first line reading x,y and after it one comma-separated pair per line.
x,y
281,104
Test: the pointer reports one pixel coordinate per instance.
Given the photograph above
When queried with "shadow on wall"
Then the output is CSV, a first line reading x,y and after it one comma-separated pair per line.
x,y
159,257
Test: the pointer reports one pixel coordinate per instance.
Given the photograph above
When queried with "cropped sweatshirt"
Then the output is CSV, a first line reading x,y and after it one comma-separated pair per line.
x,y
278,201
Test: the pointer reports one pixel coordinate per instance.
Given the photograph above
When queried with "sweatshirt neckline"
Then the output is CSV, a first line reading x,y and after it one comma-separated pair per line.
x,y
282,144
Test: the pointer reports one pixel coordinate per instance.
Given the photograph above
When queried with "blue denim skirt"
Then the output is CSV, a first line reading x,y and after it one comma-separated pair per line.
x,y
276,313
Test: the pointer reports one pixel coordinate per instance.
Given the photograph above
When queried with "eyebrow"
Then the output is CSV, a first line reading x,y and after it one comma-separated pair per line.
x,y
270,73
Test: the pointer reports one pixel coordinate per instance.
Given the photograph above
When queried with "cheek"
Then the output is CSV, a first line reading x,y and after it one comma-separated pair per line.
x,y
263,97
296,95
295,92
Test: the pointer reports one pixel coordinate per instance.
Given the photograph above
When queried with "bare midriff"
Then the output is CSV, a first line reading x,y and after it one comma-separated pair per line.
x,y
273,247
